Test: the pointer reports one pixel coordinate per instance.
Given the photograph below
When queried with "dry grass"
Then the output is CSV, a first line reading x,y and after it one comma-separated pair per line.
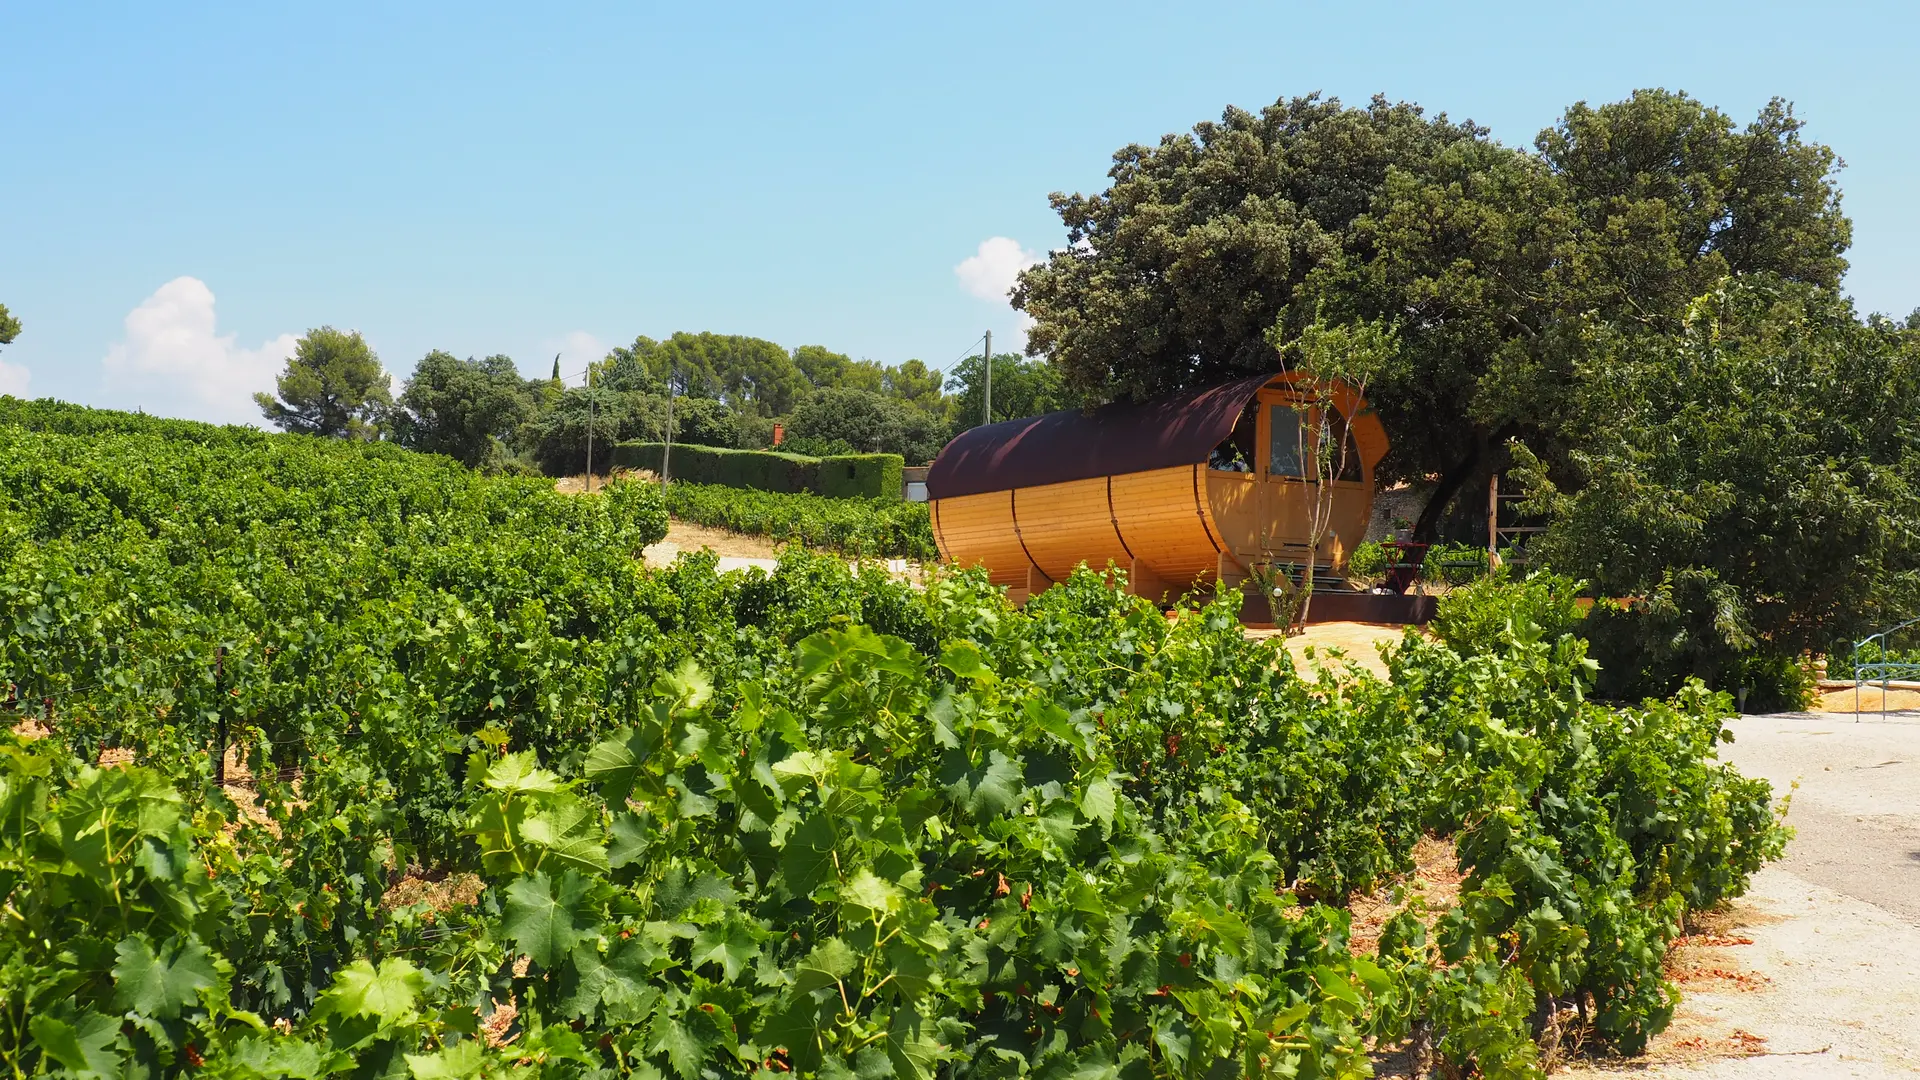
x,y
440,892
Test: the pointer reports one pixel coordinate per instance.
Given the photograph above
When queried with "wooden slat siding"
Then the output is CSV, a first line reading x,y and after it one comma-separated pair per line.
x,y
1013,510
977,530
1067,524
1235,500
1162,529
1352,511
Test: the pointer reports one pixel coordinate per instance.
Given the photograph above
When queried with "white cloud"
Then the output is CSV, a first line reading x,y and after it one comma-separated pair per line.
x,y
174,363
14,379
577,349
990,272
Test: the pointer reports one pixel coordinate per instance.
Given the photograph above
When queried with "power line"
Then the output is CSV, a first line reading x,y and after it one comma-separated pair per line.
x,y
968,351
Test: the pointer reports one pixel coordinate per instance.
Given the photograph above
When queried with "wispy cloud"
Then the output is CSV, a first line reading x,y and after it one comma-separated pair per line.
x,y
990,272
174,361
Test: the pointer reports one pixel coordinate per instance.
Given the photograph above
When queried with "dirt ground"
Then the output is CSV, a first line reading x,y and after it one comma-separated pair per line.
x,y
1358,642
686,536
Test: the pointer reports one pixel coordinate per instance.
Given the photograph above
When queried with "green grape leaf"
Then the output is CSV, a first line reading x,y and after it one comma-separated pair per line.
x,y
807,861
984,791
161,984
685,1039
463,1059
520,773
1099,802
85,1046
1071,728
569,830
632,837
911,1047
867,891
288,1059
968,661
829,962
545,918
733,945
618,763
386,993
687,685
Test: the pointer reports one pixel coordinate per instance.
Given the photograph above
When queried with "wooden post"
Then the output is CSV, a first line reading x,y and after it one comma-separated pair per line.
x,y
1493,521
220,725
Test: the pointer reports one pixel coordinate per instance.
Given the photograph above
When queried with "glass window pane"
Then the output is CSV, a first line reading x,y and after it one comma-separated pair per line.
x,y
1286,442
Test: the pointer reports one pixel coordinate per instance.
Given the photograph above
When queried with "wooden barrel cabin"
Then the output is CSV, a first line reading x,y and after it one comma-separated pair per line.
x,y
1182,491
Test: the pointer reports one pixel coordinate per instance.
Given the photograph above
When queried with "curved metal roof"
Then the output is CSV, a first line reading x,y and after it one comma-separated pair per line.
x,y
1112,440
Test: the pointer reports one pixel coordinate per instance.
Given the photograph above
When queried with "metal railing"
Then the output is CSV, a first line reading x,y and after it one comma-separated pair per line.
x,y
1884,672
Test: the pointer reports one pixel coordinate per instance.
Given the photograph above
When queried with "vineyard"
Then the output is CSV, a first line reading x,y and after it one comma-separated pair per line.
x,y
856,526
502,801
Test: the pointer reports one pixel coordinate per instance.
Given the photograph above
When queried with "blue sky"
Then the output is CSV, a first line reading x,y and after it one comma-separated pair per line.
x,y
183,188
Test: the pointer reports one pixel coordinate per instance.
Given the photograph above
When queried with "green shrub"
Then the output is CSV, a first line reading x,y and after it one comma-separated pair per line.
x,y
1776,684
860,476
1368,561
1476,617
1454,564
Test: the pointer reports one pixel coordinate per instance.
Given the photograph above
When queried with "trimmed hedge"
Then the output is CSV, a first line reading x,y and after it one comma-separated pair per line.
x,y
842,476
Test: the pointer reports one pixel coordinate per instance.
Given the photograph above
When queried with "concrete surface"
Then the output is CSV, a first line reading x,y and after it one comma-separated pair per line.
x,y
1856,810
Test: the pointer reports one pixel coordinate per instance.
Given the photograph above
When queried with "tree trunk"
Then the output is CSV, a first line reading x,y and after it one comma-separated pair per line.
x,y
1450,483
1456,476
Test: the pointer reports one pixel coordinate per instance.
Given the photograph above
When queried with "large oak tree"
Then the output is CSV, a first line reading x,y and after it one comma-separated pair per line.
x,y
1497,264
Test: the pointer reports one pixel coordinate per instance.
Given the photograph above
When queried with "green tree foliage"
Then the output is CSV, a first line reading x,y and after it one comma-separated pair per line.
x,y
9,326
557,438
1748,484
1494,263
705,422
333,386
911,383
1671,197
824,368
846,420
1021,387
463,408
914,383
748,373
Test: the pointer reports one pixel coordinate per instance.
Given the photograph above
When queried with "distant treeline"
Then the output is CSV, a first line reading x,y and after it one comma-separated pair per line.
x,y
726,391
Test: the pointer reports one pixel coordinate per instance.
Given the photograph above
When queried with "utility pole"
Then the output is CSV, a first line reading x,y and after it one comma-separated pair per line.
x,y
986,359
666,452
589,428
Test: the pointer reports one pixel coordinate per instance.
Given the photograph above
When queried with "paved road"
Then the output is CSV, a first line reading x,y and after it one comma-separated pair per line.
x,y
1856,812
